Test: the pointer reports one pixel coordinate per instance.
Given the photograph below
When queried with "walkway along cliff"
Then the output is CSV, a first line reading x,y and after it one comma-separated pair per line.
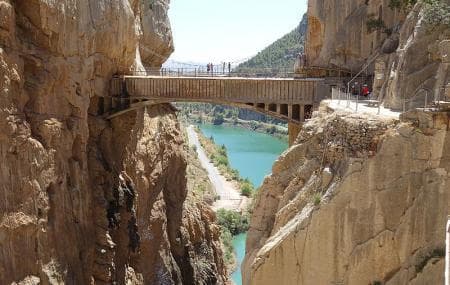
x,y
84,200
362,199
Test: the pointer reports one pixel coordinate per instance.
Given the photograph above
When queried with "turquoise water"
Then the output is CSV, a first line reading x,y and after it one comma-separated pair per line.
x,y
239,248
249,152
252,154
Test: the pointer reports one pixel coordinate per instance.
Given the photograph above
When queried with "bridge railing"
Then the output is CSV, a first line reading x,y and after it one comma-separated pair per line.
x,y
422,100
215,71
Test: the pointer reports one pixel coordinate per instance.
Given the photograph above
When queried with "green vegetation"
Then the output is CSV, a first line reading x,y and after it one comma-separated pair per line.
x,y
228,251
401,4
218,120
231,223
219,157
375,25
234,222
317,199
437,13
247,188
280,54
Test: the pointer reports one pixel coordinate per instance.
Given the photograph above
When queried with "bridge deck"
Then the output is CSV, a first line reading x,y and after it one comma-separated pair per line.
x,y
285,98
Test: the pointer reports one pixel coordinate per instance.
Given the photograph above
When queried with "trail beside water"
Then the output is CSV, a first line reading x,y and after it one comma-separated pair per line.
x,y
253,155
229,196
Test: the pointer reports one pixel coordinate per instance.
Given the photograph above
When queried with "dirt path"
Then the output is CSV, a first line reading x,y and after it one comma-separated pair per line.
x,y
230,198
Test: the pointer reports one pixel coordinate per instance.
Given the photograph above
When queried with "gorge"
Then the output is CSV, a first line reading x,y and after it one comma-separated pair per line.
x,y
356,199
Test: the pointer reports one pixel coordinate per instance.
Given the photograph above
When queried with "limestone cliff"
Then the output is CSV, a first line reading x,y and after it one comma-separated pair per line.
x,y
84,200
418,71
357,200
338,34
411,58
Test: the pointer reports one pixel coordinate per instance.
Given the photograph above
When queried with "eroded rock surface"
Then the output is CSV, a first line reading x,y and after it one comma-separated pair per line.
x,y
357,200
84,200
408,58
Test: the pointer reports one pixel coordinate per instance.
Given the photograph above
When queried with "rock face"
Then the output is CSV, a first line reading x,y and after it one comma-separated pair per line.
x,y
338,33
84,200
418,72
356,200
410,64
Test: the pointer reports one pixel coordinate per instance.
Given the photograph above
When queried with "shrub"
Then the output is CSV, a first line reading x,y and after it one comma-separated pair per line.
x,y
227,241
247,189
234,222
401,4
221,160
234,174
317,199
223,151
437,13
375,24
218,119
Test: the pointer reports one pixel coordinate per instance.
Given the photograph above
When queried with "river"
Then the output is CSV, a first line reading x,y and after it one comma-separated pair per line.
x,y
252,154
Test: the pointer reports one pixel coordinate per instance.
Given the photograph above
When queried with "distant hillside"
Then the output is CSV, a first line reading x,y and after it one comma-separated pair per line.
x,y
282,53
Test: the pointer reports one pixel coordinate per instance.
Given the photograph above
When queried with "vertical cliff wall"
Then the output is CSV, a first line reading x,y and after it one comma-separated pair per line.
x,y
418,71
338,34
357,200
84,200
411,57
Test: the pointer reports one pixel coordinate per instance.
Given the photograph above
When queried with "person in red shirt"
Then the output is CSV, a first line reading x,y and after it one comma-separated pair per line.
x,y
365,90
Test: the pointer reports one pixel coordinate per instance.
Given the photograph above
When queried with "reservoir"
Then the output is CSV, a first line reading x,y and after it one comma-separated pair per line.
x,y
253,155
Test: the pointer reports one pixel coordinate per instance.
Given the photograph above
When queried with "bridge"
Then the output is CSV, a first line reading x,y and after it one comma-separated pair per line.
x,y
289,99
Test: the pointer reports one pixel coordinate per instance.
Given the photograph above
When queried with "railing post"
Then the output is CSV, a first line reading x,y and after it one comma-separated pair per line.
x,y
339,96
404,104
348,95
357,102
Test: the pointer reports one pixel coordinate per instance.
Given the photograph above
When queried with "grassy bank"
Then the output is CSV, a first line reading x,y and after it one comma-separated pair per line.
x,y
219,157
231,223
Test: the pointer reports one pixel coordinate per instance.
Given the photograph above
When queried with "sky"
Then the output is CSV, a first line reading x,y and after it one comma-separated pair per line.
x,y
229,30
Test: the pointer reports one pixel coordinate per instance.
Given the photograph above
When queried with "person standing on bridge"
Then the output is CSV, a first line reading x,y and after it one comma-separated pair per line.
x,y
223,68
229,68
212,69
208,68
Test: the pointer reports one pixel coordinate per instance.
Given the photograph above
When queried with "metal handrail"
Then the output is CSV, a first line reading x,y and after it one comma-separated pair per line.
x,y
214,72
368,63
219,71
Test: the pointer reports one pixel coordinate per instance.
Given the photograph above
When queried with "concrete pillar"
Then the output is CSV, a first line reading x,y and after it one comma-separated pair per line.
x,y
302,113
290,111
293,130
447,253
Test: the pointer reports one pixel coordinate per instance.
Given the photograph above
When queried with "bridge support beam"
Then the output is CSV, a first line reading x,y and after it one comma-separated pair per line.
x,y
293,130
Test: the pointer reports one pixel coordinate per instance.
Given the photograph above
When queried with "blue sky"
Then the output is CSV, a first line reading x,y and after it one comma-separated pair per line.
x,y
229,30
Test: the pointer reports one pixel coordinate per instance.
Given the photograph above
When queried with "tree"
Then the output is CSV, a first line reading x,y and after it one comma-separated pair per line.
x,y
218,119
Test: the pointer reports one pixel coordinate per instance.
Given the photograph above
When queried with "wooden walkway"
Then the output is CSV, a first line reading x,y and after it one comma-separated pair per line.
x,y
284,98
